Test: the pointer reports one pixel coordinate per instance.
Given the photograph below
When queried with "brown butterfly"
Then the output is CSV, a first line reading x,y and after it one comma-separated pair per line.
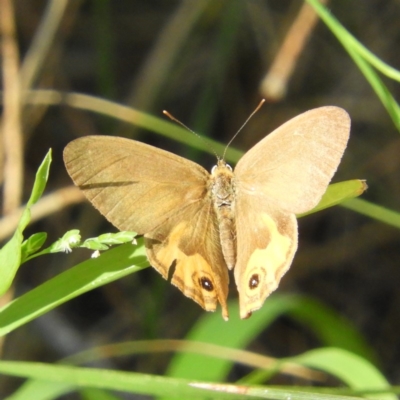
x,y
203,224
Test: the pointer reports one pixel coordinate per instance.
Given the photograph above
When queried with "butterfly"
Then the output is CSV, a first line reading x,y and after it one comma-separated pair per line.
x,y
199,225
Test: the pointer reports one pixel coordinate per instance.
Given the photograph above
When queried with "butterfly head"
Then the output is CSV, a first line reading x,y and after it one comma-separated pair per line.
x,y
221,167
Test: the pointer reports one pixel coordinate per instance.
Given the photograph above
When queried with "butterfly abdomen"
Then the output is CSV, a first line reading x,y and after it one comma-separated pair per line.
x,y
227,235
223,195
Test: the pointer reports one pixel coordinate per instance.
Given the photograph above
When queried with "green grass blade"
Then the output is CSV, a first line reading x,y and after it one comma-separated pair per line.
x,y
235,333
330,328
151,384
140,119
350,368
381,90
343,35
45,390
375,211
364,60
41,390
337,193
10,254
42,175
88,275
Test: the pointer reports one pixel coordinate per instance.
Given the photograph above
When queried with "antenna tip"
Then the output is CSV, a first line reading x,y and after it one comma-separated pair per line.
x,y
165,112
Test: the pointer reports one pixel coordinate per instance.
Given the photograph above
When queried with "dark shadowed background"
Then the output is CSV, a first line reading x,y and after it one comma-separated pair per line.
x,y
204,61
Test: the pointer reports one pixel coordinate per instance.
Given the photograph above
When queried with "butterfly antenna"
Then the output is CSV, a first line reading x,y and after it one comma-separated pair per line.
x,y
171,117
241,128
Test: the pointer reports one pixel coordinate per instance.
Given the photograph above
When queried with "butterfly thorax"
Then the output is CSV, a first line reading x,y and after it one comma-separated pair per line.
x,y
223,196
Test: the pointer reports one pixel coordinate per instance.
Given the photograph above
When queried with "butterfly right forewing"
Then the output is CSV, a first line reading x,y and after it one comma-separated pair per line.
x,y
293,165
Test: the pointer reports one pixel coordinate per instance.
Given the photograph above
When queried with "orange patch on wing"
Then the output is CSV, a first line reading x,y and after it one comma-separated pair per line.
x,y
193,275
265,268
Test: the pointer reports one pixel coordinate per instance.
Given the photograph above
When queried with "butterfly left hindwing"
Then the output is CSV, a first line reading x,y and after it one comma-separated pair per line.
x,y
189,242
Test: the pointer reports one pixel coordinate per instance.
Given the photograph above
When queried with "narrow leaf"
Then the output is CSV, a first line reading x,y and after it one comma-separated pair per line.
x,y
10,254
